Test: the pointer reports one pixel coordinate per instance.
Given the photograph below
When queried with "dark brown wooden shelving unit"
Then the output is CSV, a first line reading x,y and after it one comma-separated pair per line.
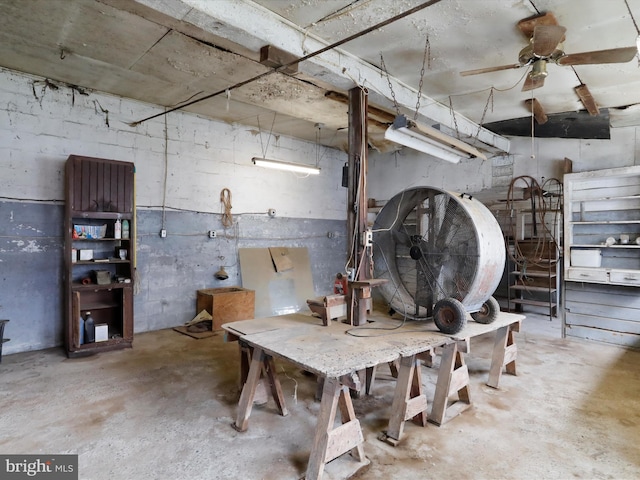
x,y
99,192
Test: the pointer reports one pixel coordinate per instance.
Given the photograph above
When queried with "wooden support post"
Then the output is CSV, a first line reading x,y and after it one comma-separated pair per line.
x,y
393,367
453,378
505,352
370,380
427,357
261,363
260,397
330,442
269,367
409,401
357,195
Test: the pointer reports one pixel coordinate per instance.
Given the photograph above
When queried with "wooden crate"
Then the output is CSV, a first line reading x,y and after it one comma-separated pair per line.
x,y
226,304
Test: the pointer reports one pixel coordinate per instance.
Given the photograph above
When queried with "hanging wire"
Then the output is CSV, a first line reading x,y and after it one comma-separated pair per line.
x,y
533,153
262,147
318,138
632,18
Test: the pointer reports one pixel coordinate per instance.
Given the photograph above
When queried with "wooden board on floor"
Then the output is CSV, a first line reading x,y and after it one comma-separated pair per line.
x,y
196,335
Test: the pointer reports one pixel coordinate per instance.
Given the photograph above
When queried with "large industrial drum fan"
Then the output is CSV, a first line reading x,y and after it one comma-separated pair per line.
x,y
443,254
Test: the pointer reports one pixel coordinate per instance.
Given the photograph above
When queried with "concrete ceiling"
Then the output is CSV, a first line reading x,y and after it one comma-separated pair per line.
x,y
167,52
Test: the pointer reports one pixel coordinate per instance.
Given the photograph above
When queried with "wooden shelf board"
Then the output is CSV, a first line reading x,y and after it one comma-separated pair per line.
x,y
97,306
535,274
537,303
606,222
580,245
103,239
94,262
600,199
100,215
533,288
94,286
96,347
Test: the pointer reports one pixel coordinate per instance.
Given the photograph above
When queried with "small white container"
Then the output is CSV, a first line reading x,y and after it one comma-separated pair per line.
x,y
590,257
86,255
102,332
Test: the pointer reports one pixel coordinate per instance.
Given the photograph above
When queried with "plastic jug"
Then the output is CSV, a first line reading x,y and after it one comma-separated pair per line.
x,y
89,329
125,229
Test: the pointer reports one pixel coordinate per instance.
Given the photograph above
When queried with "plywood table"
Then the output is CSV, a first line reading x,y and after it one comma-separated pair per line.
x,y
336,356
338,353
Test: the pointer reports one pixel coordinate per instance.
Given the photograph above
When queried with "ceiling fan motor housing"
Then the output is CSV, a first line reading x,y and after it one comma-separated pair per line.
x,y
433,244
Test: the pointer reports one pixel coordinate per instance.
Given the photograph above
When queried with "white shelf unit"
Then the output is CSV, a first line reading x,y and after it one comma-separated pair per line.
x,y
600,205
602,302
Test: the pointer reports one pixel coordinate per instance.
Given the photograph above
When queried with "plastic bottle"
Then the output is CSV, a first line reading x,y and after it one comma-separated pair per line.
x,y
89,329
81,330
117,229
125,229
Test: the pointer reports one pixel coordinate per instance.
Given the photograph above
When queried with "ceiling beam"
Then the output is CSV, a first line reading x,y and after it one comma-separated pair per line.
x,y
236,22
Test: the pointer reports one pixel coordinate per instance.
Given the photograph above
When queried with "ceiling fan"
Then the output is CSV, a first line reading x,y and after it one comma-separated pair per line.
x,y
545,36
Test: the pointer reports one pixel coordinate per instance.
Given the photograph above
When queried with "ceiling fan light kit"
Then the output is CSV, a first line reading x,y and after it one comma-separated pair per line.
x,y
287,166
429,140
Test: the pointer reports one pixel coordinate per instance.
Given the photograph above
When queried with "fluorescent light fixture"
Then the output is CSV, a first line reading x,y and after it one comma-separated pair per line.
x,y
430,140
291,167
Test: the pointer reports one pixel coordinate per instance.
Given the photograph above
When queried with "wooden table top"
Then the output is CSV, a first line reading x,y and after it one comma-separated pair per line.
x,y
340,349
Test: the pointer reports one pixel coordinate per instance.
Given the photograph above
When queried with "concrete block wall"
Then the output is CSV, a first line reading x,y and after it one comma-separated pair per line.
x,y
183,161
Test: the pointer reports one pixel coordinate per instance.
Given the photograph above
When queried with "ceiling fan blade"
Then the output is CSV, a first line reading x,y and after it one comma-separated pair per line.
x,y
527,25
489,69
546,39
538,111
614,55
587,99
531,83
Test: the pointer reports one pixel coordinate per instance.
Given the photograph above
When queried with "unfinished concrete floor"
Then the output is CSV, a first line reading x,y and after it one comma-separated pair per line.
x,y
163,410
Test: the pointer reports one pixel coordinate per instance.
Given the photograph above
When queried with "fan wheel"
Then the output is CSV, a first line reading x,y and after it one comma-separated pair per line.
x,y
449,315
488,313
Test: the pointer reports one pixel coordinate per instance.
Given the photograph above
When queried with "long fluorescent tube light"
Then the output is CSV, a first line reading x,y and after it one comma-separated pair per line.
x,y
429,140
291,167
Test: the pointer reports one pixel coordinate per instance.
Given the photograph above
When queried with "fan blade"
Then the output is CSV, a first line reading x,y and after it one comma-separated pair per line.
x,y
614,55
587,99
546,39
527,25
536,108
489,69
401,237
531,83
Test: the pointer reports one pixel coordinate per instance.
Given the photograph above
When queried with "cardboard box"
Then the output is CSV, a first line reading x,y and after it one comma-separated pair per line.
x,y
226,304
